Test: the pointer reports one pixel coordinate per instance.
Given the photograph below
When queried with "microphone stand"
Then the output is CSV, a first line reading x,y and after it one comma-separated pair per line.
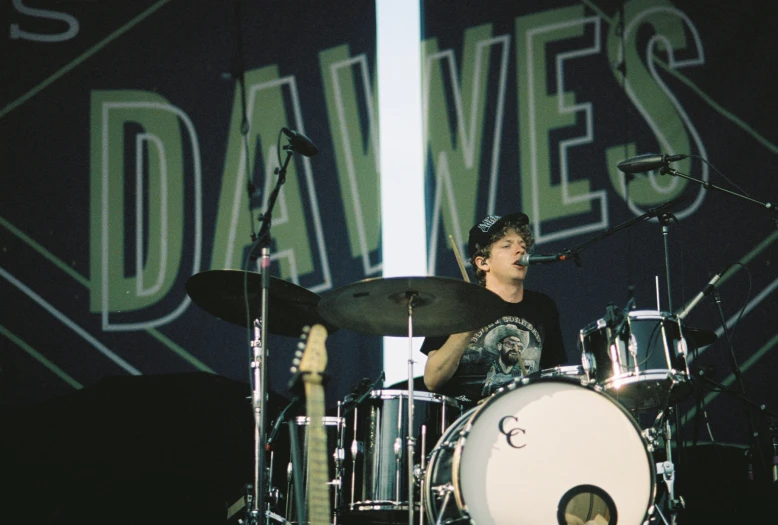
x,y
260,351
753,432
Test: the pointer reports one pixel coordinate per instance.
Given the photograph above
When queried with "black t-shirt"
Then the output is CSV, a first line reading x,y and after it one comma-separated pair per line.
x,y
530,327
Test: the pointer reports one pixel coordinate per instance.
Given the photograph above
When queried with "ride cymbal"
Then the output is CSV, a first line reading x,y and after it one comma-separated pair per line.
x,y
441,306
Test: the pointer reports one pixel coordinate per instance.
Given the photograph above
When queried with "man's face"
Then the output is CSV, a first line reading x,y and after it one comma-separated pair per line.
x,y
510,348
503,259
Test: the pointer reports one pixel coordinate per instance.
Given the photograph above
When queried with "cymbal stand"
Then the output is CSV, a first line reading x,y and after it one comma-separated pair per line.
x,y
260,351
411,442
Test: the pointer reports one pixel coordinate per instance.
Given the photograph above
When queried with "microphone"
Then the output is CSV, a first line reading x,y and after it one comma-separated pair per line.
x,y
647,162
277,427
704,293
300,143
539,258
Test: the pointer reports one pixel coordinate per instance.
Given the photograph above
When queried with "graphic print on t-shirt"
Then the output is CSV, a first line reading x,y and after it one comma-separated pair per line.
x,y
502,348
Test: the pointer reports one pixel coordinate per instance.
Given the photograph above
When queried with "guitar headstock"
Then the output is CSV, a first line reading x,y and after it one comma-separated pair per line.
x,y
311,356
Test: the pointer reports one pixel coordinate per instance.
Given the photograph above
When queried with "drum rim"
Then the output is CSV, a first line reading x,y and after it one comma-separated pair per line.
x,y
305,420
449,438
632,315
517,384
394,393
546,372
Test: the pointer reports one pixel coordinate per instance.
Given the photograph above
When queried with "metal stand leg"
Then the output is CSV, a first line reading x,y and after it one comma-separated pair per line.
x,y
448,489
411,441
667,470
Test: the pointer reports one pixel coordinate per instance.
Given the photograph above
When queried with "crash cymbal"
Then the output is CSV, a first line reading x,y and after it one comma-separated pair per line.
x,y
441,306
699,337
221,293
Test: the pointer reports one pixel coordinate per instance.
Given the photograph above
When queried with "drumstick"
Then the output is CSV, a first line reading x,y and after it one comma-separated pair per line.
x,y
459,259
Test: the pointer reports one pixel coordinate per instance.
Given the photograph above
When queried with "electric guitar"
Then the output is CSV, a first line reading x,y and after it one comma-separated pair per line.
x,y
312,362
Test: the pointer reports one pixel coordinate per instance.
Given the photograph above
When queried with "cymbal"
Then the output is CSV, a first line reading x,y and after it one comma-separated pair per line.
x,y
221,293
441,306
699,337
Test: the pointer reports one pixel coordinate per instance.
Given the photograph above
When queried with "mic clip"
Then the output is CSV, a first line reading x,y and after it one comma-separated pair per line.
x,y
361,392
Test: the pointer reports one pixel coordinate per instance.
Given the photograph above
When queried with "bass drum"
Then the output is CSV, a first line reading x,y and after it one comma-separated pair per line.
x,y
544,450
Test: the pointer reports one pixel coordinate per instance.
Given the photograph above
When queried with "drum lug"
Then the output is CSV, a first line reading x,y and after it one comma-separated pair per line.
x,y
652,438
398,448
273,496
418,474
441,490
357,448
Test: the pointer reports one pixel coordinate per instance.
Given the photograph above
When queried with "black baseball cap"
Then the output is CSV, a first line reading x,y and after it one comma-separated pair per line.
x,y
481,233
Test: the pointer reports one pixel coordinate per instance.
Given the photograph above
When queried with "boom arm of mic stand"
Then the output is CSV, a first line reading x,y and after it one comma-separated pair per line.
x,y
769,206
649,214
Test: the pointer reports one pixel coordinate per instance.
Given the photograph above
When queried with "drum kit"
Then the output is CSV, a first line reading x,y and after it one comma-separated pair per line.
x,y
560,446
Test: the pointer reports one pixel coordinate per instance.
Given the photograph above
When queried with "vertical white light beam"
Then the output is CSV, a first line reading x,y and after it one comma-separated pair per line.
x,y
403,230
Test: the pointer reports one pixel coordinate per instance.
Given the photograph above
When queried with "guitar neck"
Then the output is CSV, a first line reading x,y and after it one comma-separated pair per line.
x,y
318,474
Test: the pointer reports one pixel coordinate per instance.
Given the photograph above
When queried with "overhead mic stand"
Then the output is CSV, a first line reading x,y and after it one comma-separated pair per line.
x,y
747,403
259,346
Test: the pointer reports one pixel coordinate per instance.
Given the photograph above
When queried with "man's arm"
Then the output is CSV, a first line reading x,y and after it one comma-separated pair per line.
x,y
443,362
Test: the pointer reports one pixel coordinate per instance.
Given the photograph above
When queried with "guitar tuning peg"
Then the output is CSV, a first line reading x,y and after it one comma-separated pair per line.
x,y
306,329
296,361
301,345
293,370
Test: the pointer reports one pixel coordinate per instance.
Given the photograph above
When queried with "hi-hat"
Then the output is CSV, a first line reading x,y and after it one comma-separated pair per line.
x,y
441,306
234,296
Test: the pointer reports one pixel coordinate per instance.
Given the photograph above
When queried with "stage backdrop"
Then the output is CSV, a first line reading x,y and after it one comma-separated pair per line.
x,y
140,141
133,131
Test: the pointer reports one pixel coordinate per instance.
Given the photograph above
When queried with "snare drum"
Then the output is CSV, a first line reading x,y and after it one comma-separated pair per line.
x,y
542,450
644,367
375,485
